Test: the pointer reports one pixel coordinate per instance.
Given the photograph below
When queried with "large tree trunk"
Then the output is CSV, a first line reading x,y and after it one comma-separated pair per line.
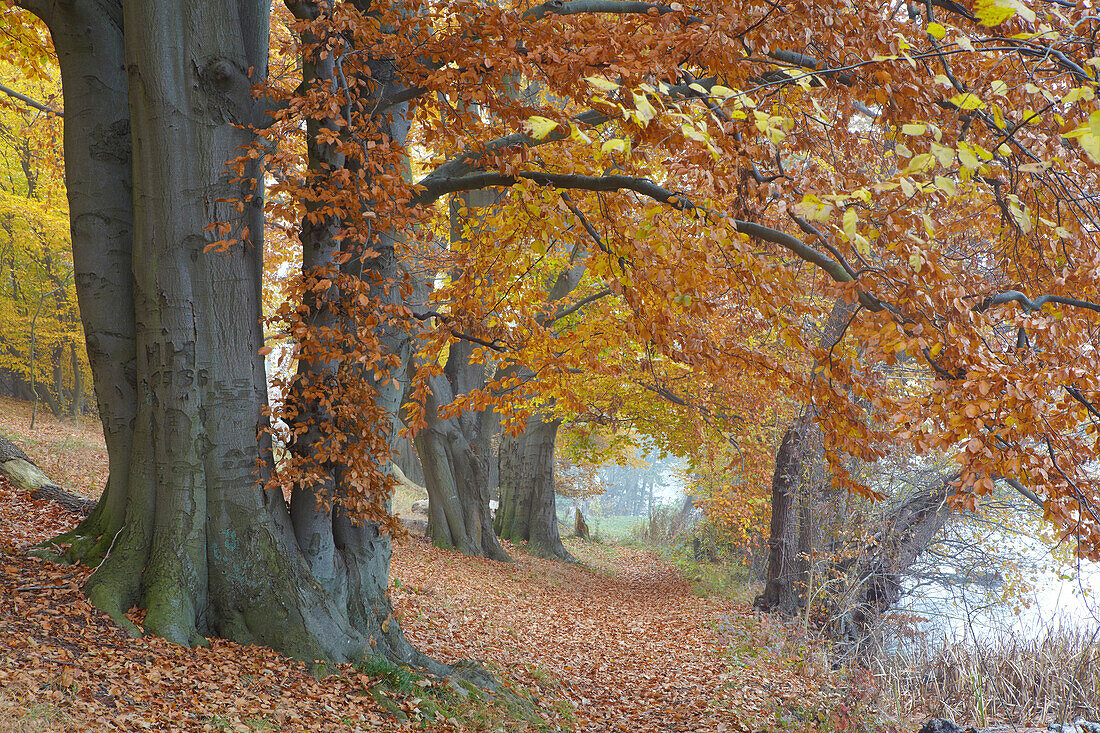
x,y
527,511
803,505
455,454
185,528
787,576
875,576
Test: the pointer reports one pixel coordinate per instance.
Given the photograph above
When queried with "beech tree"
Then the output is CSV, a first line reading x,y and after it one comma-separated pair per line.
x,y
154,113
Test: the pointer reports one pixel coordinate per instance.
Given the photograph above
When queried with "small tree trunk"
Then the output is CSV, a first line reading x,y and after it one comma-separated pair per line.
x,y
527,511
78,383
580,527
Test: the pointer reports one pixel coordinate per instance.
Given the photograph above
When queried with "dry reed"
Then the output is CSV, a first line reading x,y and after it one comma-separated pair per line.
x,y
1009,679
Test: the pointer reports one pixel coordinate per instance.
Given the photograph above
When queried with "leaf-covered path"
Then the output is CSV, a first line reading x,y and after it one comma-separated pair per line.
x,y
620,645
630,647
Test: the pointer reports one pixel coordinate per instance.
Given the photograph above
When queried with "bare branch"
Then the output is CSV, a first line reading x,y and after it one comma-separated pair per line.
x,y
32,102
1033,305
579,304
614,7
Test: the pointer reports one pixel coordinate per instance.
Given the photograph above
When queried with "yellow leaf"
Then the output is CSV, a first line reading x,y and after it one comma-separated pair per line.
x,y
945,155
851,218
646,111
936,30
614,145
921,163
968,159
540,127
913,130
576,134
994,12
967,101
1084,93
916,261
691,133
945,184
1021,216
998,88
601,83
724,92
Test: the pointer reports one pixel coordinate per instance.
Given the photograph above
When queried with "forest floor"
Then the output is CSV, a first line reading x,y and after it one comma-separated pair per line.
x,y
619,642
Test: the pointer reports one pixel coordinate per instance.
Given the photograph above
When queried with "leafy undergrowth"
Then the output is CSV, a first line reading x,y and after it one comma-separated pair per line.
x,y
621,644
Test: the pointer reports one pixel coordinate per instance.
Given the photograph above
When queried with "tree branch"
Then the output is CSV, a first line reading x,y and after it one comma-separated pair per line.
x,y
32,102
579,304
1022,490
1033,305
646,187
615,7
1089,406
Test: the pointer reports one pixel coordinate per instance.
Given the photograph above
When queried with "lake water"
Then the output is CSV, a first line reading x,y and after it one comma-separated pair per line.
x,y
1060,594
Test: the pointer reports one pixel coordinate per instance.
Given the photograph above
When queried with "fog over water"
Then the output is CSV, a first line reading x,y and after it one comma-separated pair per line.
x,y
1063,594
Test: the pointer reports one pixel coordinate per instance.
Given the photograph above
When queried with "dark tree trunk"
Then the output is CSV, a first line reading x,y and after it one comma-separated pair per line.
x,y
78,383
191,536
786,579
875,575
802,500
527,511
580,527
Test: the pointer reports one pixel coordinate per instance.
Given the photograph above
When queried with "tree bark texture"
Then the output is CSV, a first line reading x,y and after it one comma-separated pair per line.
x,y
455,454
803,505
183,528
527,511
788,570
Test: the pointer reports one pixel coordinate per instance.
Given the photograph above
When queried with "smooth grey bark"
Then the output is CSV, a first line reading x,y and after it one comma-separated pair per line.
x,y
183,528
406,459
527,511
88,39
455,454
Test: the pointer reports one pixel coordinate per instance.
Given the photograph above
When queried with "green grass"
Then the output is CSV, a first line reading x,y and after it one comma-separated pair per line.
x,y
619,528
